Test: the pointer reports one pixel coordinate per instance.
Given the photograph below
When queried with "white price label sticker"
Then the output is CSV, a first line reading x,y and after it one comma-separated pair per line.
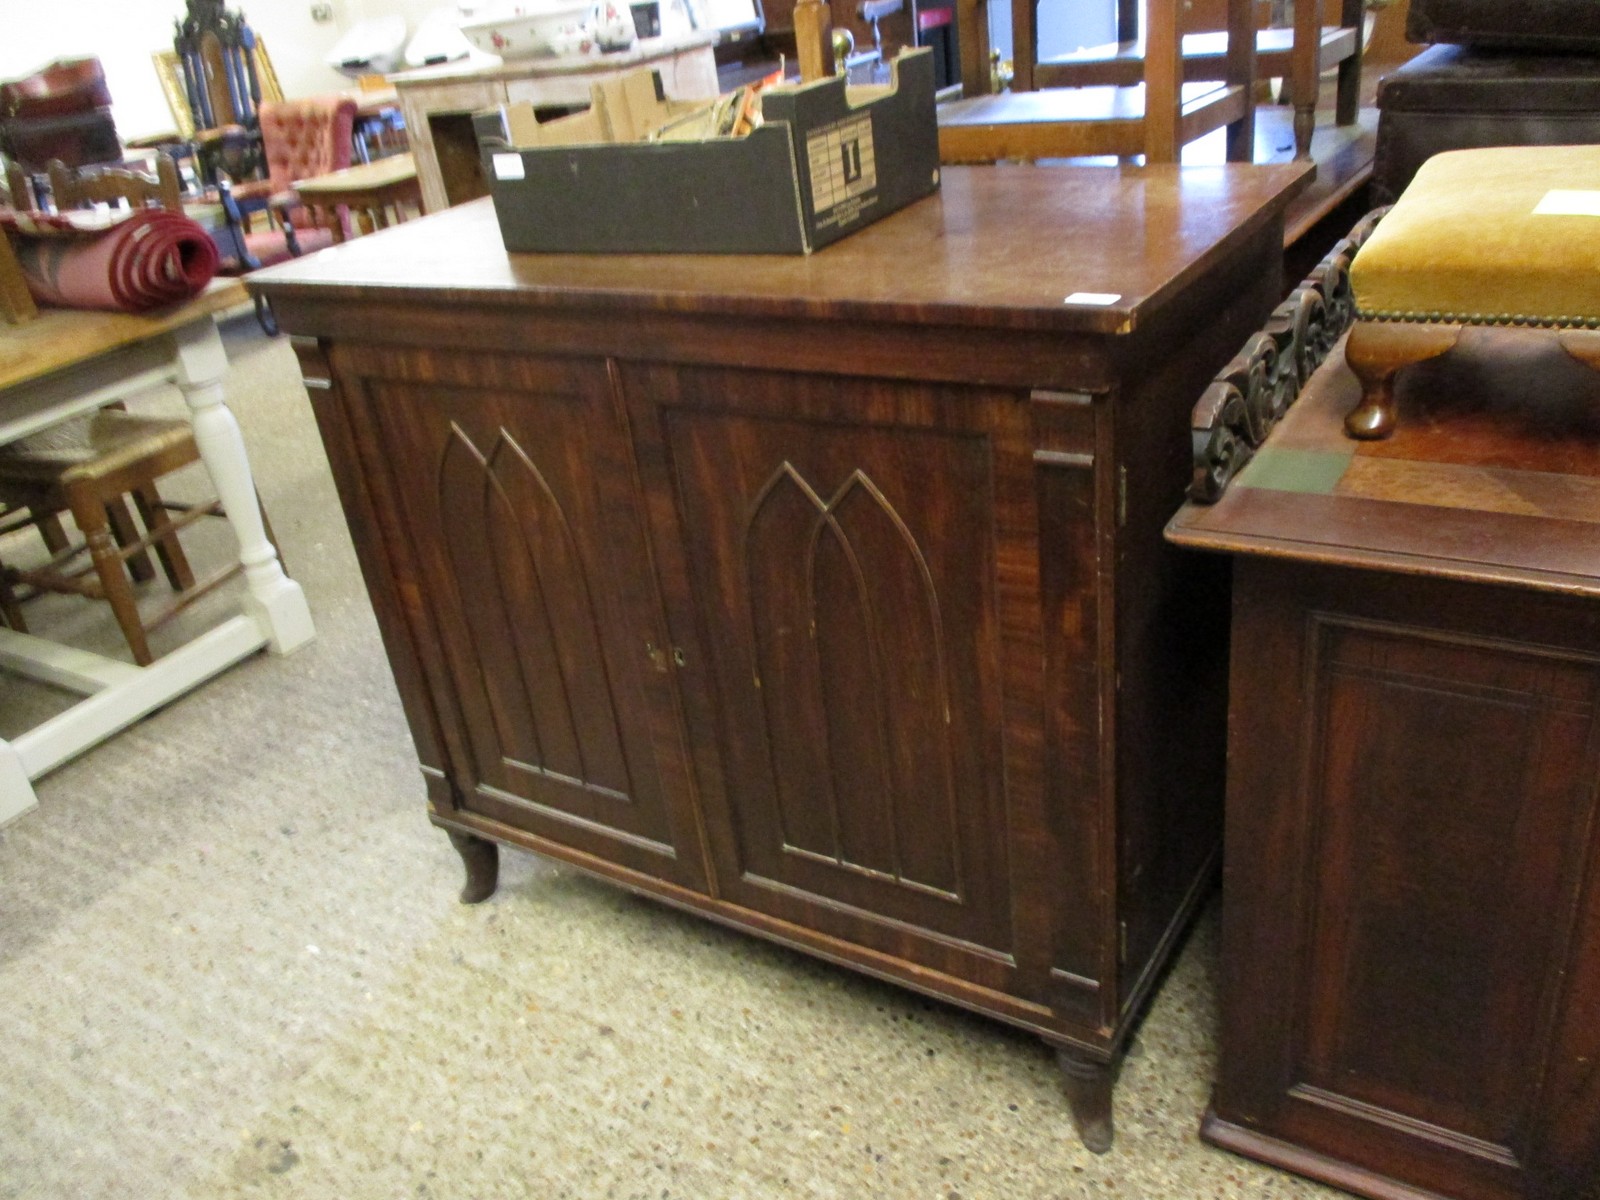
x,y
1568,202
508,166
1100,299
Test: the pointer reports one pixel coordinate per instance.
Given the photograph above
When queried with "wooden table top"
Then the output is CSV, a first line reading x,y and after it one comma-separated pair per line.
x,y
644,51
1016,247
60,338
364,177
1493,475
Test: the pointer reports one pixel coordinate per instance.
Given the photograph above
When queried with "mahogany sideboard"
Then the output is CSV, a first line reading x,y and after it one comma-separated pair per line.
x,y
1411,904
824,596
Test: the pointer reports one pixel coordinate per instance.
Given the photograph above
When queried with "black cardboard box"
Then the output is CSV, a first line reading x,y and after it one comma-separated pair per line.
x,y
827,160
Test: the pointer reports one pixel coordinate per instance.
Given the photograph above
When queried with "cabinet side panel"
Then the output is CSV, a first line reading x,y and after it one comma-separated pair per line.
x,y
1410,898
1451,779
1170,686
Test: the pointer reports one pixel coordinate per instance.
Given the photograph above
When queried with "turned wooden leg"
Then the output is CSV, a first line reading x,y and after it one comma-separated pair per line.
x,y
94,521
154,515
1088,1084
1375,352
482,860
53,533
1305,126
127,533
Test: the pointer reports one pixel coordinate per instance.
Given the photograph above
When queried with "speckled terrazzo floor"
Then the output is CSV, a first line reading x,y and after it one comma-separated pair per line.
x,y
232,965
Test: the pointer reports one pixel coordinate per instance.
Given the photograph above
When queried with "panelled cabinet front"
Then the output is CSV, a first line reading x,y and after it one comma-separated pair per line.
x,y
517,539
840,632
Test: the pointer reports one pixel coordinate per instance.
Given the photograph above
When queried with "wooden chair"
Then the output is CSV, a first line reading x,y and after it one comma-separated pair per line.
x,y
225,77
1155,116
92,465
301,139
1320,35
87,467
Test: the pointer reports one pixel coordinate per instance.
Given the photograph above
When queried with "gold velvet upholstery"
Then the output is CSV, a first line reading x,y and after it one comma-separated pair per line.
x,y
1464,244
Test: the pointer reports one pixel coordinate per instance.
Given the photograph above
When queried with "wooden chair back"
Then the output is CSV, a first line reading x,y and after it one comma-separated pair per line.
x,y
85,186
216,53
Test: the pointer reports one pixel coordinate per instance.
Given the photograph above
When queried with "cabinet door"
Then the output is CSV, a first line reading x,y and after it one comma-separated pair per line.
x,y
840,545
519,548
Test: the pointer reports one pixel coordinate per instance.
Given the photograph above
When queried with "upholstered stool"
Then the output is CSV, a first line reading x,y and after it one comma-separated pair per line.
x,y
1502,236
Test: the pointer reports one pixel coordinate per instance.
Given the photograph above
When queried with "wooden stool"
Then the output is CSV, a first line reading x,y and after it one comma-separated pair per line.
x,y
86,467
1501,236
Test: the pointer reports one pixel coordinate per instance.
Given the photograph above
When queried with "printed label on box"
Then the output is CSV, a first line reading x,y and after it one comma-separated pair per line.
x,y
843,170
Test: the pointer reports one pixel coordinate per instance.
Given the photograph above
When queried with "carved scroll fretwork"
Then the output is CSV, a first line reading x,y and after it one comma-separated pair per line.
x,y
1251,394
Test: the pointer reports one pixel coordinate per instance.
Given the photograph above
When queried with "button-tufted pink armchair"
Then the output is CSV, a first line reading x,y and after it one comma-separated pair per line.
x,y
301,139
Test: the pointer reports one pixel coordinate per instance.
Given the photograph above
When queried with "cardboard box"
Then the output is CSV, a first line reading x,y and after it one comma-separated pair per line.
x,y
827,160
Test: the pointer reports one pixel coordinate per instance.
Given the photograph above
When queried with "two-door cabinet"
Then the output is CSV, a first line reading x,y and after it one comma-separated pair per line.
x,y
824,596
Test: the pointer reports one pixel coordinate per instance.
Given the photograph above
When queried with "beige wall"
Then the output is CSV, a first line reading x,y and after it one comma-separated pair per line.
x,y
124,33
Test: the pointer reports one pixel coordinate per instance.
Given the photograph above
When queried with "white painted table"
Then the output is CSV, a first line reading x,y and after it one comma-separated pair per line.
x,y
438,101
64,363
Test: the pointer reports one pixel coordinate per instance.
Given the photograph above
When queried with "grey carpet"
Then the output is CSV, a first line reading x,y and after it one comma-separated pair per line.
x,y
232,965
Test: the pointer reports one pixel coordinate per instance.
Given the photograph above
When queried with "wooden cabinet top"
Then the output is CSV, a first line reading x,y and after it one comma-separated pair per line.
x,y
1493,475
1011,247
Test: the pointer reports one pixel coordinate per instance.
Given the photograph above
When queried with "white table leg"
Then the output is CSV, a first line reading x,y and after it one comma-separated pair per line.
x,y
275,601
16,790
273,611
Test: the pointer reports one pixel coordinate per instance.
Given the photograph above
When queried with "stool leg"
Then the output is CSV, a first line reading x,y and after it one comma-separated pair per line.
x,y
90,514
173,560
52,531
127,533
1375,352
1583,345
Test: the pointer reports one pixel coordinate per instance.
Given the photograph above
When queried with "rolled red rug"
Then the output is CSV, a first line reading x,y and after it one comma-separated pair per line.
x,y
147,260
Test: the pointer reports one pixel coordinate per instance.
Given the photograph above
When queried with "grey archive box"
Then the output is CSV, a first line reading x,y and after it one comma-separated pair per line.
x,y
822,164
